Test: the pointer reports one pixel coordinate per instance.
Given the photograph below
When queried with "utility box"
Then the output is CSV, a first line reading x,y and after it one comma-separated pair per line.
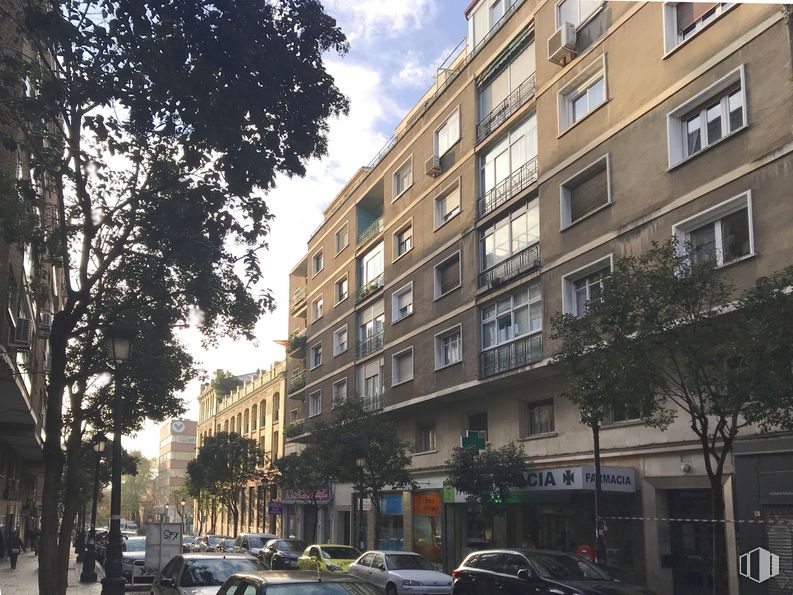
x,y
163,542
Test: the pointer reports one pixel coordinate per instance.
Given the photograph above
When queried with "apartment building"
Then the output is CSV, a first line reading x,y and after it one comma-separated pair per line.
x,y
255,410
562,136
177,448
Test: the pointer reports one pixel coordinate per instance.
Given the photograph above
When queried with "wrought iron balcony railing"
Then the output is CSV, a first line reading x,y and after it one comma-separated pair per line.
x,y
371,231
513,355
499,114
370,288
372,401
370,344
297,381
524,261
507,188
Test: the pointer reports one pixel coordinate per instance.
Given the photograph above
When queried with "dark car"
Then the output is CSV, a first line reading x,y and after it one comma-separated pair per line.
x,y
209,543
251,543
187,543
227,545
201,574
299,582
535,572
282,554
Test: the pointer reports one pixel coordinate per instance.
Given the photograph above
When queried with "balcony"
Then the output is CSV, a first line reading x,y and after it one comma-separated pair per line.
x,y
372,401
367,234
516,265
513,355
370,344
501,113
298,301
297,381
507,188
370,288
295,428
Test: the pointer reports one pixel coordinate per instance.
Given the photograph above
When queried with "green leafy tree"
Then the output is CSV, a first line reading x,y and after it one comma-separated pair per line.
x,y
306,474
224,383
487,476
668,336
138,490
154,124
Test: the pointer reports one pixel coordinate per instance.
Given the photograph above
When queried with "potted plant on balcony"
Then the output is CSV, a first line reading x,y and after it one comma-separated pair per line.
x,y
296,346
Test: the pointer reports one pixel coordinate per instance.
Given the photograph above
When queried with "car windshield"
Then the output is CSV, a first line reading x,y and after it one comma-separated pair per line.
x,y
212,572
254,541
135,545
188,539
228,543
214,539
291,545
408,562
339,553
323,589
563,566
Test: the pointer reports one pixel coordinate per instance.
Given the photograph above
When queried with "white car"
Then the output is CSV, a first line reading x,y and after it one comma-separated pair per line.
x,y
201,574
400,573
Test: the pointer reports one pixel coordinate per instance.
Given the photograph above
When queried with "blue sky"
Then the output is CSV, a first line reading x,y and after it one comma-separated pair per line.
x,y
395,48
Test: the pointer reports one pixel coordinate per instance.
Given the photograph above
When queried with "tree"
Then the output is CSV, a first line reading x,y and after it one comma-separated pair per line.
x,y
306,474
668,336
487,476
225,464
224,383
154,123
138,490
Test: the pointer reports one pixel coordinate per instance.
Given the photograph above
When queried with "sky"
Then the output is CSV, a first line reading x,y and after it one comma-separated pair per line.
x,y
395,49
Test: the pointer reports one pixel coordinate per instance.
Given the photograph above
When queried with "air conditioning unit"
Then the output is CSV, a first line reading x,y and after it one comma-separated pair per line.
x,y
45,325
20,337
433,166
561,45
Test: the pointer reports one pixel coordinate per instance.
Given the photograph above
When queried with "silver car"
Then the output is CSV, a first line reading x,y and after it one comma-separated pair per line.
x,y
400,573
201,574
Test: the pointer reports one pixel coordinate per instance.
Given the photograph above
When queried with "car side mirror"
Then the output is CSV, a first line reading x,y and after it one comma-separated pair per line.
x,y
168,582
524,574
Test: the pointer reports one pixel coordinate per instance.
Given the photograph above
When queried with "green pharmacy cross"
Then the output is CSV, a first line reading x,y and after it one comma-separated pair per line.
x,y
473,439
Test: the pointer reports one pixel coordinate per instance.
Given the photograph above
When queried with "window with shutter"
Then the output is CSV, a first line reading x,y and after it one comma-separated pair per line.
x,y
586,191
447,275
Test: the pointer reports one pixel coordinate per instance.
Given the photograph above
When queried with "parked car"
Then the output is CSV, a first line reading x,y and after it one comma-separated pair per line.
x,y
187,543
542,572
297,583
327,558
226,545
134,549
201,574
196,545
208,543
251,543
401,572
282,554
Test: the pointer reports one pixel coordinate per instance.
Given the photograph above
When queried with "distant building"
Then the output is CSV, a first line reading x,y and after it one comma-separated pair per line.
x,y
177,448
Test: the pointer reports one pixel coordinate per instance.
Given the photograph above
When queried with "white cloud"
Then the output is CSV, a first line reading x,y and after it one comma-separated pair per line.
x,y
418,71
367,19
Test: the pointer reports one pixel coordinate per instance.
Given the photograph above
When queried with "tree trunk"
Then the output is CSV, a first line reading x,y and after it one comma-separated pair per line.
x,y
315,509
719,541
72,495
601,553
376,507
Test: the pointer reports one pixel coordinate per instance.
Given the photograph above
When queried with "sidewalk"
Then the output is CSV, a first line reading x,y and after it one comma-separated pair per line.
x,y
24,579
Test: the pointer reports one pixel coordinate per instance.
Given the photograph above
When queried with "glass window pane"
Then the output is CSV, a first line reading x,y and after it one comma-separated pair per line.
x,y
520,233
521,316
735,235
489,251
596,94
735,102
522,67
580,108
568,12
520,298
535,317
502,243
488,334
580,297
713,116
488,311
504,328
587,8
693,135
703,242
534,291
504,305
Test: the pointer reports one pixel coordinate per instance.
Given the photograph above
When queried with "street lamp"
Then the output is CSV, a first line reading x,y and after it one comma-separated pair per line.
x,y
88,574
119,344
360,462
181,514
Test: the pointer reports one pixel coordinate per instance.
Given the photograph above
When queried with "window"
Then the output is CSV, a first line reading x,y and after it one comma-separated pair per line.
x,y
316,355
583,99
489,14
403,240
499,88
448,347
586,192
447,134
340,341
293,416
317,262
341,289
447,205
710,116
509,235
576,11
512,317
502,166
403,177
540,418
477,422
402,303
370,384
722,233
315,403
402,367
339,392
584,285
316,309
685,19
623,412
447,275
342,239
371,321
372,265
425,437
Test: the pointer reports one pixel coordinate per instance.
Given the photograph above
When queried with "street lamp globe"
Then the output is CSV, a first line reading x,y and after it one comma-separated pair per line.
x,y
360,462
100,446
118,342
183,502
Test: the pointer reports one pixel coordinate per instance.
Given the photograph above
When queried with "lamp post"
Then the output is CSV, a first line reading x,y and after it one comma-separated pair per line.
x,y
119,344
181,514
361,463
88,574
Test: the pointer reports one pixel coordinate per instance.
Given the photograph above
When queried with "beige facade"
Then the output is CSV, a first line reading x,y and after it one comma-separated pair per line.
x,y
254,410
511,186
177,448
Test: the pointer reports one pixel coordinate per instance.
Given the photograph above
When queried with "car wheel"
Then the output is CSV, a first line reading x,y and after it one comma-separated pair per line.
x,y
391,589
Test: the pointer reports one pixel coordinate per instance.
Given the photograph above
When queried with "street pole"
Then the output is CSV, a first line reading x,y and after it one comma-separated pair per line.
x,y
88,574
601,553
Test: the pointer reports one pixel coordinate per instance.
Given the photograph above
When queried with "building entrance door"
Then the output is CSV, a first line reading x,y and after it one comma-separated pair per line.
x,y
779,540
692,541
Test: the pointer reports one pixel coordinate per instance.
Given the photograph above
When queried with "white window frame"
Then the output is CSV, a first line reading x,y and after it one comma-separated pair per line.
x,y
318,395
345,228
396,176
317,308
337,350
455,114
486,231
395,317
580,22
458,329
574,88
374,252
568,281
335,401
565,194
432,427
407,225
336,299
675,120
311,358
455,186
672,40
715,214
314,270
397,381
436,276
294,415
511,295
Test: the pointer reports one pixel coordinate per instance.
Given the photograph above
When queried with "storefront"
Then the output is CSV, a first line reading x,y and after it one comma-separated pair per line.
x,y
302,519
427,525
